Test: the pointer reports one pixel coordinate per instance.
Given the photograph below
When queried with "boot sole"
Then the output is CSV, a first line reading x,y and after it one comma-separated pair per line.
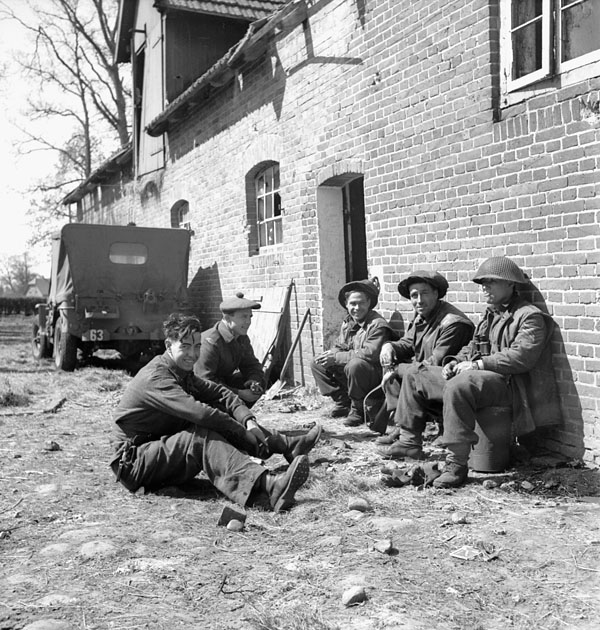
x,y
297,475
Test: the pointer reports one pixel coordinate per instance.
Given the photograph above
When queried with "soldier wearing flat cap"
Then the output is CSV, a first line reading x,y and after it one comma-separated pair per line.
x,y
351,369
226,354
438,329
508,363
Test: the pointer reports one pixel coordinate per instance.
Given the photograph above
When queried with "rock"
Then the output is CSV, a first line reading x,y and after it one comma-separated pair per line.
x,y
97,549
526,485
384,546
359,504
235,526
459,518
354,595
490,484
52,446
231,513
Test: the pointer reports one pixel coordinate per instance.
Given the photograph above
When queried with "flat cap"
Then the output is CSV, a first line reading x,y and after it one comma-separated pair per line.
x,y
368,287
433,278
237,303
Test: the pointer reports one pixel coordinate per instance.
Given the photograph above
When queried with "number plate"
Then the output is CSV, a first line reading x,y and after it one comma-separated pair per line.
x,y
97,334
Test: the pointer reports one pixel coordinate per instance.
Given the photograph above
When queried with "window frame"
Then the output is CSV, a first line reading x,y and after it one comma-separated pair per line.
x,y
570,72
275,195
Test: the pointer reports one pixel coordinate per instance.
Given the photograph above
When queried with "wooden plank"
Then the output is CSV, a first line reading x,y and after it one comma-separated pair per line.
x,y
267,319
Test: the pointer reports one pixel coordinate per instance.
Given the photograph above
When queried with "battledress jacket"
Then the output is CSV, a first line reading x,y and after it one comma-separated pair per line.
x,y
362,340
430,340
222,354
520,349
162,400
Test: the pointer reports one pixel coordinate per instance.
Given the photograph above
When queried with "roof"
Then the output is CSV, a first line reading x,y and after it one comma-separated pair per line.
x,y
113,164
244,9
222,72
249,10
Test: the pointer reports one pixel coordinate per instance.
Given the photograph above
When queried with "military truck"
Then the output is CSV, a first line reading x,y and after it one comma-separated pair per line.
x,y
111,287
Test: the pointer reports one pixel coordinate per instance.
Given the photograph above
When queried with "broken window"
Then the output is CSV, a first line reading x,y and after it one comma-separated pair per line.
x,y
268,206
542,38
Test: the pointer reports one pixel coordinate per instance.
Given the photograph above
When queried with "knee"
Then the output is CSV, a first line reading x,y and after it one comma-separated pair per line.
x,y
458,386
360,366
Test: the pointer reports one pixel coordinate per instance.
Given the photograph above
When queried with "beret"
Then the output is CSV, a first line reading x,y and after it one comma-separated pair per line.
x,y
237,303
369,287
433,278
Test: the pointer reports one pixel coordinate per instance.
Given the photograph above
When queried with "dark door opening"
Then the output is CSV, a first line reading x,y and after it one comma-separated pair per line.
x,y
355,239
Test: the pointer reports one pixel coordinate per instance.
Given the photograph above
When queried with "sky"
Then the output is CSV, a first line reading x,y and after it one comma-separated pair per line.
x,y
17,173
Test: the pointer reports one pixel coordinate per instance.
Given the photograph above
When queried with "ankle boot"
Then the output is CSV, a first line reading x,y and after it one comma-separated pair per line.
x,y
356,417
291,447
390,438
281,488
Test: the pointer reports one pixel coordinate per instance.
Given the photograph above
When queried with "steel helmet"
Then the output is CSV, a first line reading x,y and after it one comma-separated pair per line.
x,y
500,268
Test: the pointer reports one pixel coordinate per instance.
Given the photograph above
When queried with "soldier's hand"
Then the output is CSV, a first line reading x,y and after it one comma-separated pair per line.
x,y
387,355
327,359
465,366
255,387
449,370
247,395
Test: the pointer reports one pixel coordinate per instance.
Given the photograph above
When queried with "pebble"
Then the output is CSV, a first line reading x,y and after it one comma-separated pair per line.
x,y
52,446
235,526
354,595
359,504
490,484
384,546
526,485
459,518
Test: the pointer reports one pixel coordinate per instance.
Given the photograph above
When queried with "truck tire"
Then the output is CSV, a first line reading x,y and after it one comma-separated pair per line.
x,y
65,349
40,348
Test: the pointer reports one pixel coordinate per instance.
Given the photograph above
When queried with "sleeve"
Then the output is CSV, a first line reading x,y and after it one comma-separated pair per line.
x,y
454,335
404,348
250,366
377,333
169,397
524,351
207,365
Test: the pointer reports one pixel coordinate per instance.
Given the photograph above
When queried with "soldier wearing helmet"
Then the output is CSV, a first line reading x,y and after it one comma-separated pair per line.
x,y
437,330
508,363
350,369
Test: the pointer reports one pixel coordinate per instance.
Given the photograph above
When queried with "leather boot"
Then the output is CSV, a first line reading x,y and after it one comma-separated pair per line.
x,y
340,409
356,417
282,488
390,438
399,450
292,447
456,469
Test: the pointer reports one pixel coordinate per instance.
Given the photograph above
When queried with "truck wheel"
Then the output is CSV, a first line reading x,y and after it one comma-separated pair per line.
x,y
65,349
40,348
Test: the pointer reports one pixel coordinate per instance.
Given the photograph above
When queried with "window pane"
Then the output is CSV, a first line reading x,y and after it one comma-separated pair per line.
x,y
128,253
262,235
269,207
527,49
278,231
525,10
261,209
580,28
277,208
270,233
276,177
260,185
269,180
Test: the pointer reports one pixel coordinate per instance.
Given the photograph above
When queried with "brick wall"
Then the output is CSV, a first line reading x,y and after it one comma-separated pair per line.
x,y
409,93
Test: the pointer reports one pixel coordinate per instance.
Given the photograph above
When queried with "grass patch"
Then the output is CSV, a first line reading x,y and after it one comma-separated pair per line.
x,y
294,618
13,396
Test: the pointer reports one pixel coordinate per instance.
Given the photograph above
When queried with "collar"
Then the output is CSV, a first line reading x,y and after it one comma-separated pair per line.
x,y
224,331
419,319
173,367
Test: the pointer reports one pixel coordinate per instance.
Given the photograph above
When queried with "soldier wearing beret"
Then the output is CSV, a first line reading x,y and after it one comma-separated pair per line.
x,y
438,329
351,369
226,354
508,363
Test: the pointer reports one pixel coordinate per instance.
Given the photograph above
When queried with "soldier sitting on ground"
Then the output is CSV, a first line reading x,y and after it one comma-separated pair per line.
x,y
508,364
351,369
438,329
171,425
226,354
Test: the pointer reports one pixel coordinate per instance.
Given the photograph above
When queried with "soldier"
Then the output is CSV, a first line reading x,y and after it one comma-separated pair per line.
x,y
171,425
438,329
351,369
508,363
226,354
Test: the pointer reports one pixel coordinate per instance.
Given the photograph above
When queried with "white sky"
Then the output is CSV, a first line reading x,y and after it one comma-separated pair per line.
x,y
17,173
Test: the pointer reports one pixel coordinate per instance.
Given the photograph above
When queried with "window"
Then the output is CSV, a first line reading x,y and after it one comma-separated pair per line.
x,y
268,206
128,253
541,38
180,215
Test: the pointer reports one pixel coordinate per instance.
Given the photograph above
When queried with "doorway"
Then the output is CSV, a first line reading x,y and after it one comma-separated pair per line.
x,y
342,244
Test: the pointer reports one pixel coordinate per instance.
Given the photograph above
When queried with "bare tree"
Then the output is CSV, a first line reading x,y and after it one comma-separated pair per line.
x,y
16,274
78,84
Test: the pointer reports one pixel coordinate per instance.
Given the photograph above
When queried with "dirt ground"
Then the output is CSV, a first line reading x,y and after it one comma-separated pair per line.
x,y
77,551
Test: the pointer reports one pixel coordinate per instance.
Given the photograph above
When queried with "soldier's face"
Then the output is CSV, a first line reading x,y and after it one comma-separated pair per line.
x,y
423,297
358,305
185,351
239,321
497,292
